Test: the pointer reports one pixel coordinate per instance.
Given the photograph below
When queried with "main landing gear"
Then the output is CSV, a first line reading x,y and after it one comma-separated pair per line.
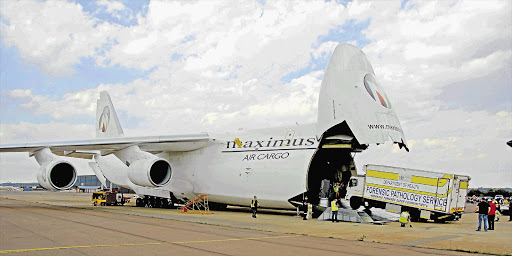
x,y
155,202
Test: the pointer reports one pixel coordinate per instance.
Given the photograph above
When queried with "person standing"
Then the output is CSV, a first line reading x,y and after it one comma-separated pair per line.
x,y
492,214
337,190
334,210
510,209
305,207
254,206
483,210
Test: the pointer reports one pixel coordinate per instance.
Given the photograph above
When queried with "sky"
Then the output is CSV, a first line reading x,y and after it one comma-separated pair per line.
x,y
174,67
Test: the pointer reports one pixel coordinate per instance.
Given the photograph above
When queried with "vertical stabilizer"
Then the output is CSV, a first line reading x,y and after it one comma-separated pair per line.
x,y
107,124
351,95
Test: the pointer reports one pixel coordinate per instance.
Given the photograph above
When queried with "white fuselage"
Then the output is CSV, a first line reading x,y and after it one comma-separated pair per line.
x,y
271,164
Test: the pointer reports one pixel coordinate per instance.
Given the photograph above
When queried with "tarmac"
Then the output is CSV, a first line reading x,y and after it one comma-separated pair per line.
x,y
66,223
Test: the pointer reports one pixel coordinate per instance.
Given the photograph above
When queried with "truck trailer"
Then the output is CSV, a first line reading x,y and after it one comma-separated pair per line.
x,y
424,194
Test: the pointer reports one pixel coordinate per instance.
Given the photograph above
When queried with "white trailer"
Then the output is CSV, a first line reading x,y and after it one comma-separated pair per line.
x,y
426,195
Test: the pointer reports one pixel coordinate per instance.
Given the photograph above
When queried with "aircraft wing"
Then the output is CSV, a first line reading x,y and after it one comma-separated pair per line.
x,y
86,148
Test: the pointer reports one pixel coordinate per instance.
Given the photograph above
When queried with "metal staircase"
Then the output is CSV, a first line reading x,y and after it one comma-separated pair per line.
x,y
198,205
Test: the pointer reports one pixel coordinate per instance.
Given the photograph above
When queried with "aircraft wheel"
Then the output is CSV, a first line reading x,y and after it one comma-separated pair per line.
x,y
151,201
165,203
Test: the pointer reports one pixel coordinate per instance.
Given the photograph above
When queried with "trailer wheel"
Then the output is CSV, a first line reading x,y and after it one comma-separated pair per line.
x,y
415,214
95,203
355,202
102,204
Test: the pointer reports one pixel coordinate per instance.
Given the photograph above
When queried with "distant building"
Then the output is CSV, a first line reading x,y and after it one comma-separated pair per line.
x,y
22,185
88,182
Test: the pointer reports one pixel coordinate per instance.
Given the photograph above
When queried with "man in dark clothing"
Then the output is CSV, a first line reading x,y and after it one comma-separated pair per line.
x,y
254,206
510,208
483,210
492,214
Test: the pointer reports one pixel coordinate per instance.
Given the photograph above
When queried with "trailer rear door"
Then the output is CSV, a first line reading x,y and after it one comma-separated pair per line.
x,y
442,194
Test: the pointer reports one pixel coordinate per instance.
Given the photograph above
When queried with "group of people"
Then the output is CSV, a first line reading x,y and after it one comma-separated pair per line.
x,y
487,212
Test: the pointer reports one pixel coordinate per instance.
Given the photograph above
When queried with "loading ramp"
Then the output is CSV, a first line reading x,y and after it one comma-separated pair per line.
x,y
361,215
348,215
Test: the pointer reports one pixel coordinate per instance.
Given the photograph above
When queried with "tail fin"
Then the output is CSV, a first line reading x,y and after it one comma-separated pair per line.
x,y
107,124
351,95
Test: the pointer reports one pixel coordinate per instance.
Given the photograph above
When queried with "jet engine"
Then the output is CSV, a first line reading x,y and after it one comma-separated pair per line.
x,y
54,173
153,172
145,169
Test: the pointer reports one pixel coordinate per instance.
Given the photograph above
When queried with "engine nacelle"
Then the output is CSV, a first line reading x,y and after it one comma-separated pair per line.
x,y
152,172
54,173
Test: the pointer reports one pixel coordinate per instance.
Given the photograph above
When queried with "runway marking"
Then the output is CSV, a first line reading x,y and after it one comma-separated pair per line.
x,y
339,232
428,240
139,244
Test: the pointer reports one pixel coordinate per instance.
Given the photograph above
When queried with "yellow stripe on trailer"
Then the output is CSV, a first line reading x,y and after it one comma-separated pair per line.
x,y
382,175
431,181
457,209
424,180
463,185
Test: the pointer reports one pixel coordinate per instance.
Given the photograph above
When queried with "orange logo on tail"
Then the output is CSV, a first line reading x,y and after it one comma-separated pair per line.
x,y
104,119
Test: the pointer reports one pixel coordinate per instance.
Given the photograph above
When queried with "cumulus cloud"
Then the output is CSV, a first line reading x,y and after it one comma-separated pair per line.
x,y
54,35
16,168
217,66
441,42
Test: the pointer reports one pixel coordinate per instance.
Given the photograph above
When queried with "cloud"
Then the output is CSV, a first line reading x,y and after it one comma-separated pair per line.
x,y
217,66
441,42
112,6
454,141
16,167
54,35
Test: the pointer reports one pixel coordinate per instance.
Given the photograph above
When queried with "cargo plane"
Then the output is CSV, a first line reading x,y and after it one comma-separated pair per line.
x,y
279,165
